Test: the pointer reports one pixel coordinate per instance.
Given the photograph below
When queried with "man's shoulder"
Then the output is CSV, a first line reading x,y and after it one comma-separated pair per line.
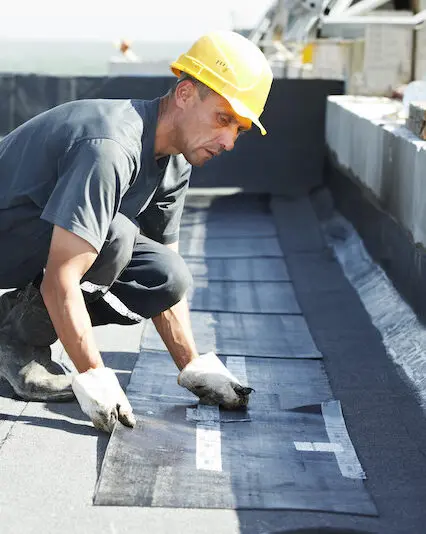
x,y
117,120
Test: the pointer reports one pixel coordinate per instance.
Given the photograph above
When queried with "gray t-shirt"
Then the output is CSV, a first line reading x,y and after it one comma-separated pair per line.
x,y
80,163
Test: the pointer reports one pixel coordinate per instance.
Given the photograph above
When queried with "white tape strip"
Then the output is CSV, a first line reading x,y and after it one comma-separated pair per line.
x,y
347,458
209,448
309,446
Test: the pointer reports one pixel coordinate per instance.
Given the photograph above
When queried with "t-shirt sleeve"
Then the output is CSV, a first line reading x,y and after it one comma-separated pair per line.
x,y
93,176
161,219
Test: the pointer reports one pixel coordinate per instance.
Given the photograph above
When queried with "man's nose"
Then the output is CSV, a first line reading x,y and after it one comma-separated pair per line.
x,y
228,140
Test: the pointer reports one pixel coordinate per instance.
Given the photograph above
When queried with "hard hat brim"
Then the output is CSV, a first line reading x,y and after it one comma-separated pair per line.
x,y
243,111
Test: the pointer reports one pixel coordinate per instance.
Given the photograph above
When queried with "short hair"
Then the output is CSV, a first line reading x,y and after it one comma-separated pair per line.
x,y
203,90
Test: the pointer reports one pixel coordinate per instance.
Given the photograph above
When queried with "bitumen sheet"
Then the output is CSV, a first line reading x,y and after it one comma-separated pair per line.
x,y
246,334
239,269
232,247
283,384
249,297
269,457
289,450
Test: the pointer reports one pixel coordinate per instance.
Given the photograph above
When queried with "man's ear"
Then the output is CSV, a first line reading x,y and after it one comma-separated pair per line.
x,y
184,93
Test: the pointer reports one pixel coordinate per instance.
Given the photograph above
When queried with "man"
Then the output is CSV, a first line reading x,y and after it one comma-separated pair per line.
x,y
92,193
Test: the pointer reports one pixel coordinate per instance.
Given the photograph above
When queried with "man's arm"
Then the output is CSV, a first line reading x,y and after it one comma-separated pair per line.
x,y
174,327
96,387
70,257
204,375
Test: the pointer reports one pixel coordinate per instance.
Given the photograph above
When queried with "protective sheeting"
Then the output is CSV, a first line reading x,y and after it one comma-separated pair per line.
x,y
194,227
239,269
389,244
233,247
269,457
288,450
282,384
244,297
274,336
25,95
404,336
234,226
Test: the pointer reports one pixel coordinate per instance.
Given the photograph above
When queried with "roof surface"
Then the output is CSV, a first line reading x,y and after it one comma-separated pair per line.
x,y
51,457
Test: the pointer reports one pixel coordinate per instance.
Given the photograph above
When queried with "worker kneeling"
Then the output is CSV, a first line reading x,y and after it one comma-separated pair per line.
x,y
92,193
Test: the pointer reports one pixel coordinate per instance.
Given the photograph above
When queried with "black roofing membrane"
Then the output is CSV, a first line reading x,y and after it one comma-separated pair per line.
x,y
265,461
239,269
246,334
290,449
244,297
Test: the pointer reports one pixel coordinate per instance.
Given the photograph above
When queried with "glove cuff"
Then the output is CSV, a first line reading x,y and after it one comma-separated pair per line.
x,y
101,378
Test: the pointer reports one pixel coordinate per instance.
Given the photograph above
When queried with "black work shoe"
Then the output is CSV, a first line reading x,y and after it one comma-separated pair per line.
x,y
31,372
26,334
25,312
7,301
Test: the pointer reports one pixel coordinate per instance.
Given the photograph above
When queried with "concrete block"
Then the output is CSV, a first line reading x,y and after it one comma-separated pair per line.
x,y
398,176
420,54
416,120
370,142
331,58
355,136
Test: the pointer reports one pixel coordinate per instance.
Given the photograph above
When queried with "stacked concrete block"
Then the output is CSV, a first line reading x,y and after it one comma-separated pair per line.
x,y
355,137
420,57
420,46
373,64
331,59
387,58
416,120
382,155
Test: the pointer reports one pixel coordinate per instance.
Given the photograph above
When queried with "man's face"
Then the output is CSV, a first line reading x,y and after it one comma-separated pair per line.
x,y
207,126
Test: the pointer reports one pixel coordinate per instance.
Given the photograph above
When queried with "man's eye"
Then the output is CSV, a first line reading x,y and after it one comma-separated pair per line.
x,y
223,120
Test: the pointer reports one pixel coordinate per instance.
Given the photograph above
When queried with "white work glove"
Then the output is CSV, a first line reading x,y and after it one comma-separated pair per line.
x,y
210,380
101,398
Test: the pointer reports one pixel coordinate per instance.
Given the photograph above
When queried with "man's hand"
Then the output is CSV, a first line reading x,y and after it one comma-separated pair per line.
x,y
102,399
210,380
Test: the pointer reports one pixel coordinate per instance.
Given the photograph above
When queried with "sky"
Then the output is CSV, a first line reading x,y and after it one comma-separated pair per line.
x,y
142,20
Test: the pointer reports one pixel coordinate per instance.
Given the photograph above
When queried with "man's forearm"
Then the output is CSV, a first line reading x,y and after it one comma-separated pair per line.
x,y
71,320
174,327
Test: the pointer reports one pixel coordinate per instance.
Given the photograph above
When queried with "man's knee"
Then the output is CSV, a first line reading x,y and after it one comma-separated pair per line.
x,y
177,278
116,252
156,279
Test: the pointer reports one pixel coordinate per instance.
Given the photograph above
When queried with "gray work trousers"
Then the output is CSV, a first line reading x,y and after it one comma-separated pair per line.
x,y
136,277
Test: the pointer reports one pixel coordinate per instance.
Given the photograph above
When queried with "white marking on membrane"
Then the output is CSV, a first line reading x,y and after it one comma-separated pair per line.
x,y
208,434
209,447
316,446
347,458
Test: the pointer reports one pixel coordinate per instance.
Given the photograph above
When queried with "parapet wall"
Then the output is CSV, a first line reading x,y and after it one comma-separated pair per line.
x,y
375,149
289,160
376,170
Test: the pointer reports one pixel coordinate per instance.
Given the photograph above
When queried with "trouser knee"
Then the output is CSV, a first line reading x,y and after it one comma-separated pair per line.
x,y
177,280
115,254
156,279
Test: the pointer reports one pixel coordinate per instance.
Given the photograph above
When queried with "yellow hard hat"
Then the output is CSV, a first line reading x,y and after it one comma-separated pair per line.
x,y
233,67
